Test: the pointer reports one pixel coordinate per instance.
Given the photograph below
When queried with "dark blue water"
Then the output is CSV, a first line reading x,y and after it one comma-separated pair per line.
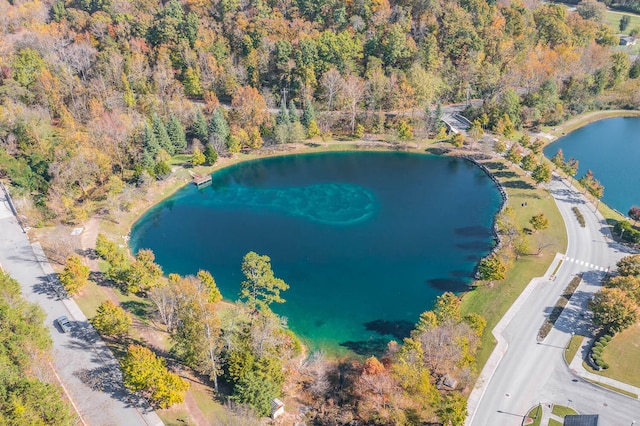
x,y
611,149
365,240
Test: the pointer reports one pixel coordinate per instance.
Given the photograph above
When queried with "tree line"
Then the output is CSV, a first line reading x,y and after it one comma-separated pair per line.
x,y
29,393
97,96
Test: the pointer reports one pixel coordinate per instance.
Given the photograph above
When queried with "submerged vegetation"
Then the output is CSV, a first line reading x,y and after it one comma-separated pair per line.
x,y
100,98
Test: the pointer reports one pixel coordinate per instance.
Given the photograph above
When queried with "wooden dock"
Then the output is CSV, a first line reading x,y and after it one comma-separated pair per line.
x,y
201,181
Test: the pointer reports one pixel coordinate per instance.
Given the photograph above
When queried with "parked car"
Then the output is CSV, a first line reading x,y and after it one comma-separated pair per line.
x,y
64,324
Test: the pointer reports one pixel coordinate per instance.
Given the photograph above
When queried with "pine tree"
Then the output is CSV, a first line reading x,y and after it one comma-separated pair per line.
x,y
176,135
218,127
283,115
293,112
150,147
308,114
199,128
160,132
210,155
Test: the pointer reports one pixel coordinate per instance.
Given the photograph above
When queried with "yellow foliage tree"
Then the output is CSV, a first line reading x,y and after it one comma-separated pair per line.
x,y
75,275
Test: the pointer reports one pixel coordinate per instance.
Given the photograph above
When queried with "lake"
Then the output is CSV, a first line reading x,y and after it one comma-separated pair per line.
x,y
366,240
611,149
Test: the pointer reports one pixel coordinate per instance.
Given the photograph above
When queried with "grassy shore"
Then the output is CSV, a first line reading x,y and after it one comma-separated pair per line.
x,y
526,201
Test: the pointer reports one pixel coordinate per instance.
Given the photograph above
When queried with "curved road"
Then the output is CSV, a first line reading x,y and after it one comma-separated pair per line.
x,y
530,372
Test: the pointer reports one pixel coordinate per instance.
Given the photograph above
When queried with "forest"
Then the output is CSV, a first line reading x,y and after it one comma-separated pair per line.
x,y
99,98
96,96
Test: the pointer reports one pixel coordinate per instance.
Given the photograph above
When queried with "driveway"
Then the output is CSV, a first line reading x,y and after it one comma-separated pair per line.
x,y
87,369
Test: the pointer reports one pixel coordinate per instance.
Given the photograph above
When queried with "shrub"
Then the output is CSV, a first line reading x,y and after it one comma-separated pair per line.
x,y
600,362
605,366
579,216
598,345
607,337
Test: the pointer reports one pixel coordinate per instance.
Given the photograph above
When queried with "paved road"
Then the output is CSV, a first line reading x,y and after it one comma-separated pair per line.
x,y
532,371
86,367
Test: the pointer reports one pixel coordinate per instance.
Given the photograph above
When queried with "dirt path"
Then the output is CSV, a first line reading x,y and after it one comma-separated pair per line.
x,y
152,337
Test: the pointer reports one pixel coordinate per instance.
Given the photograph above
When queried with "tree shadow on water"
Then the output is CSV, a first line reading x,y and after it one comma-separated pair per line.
x,y
448,284
399,329
473,231
375,347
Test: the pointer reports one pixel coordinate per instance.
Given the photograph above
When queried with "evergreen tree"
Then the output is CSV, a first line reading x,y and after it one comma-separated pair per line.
x,y
437,118
150,147
308,114
293,112
283,115
199,127
160,132
176,135
210,155
218,127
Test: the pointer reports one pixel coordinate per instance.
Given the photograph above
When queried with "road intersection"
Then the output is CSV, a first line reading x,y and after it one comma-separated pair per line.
x,y
522,371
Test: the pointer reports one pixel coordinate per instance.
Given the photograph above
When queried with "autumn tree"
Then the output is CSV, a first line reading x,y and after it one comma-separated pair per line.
x,y
634,213
629,265
144,372
542,173
261,288
539,222
558,159
629,284
447,308
613,310
249,108
196,331
453,409
592,185
111,320
529,162
144,273
75,275
492,268
197,157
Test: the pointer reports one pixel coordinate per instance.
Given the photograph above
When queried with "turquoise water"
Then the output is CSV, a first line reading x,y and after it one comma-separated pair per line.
x,y
611,149
366,241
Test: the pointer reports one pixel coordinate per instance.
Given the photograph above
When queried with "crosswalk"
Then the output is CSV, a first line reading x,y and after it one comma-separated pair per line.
x,y
587,264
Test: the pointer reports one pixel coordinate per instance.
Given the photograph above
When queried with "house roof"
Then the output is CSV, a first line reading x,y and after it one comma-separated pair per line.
x,y
581,420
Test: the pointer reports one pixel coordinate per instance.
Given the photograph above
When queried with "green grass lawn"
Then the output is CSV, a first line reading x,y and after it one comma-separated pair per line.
x,y
612,19
554,422
492,303
623,354
536,415
572,348
561,410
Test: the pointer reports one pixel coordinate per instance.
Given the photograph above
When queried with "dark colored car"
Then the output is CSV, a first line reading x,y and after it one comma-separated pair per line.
x,y
64,324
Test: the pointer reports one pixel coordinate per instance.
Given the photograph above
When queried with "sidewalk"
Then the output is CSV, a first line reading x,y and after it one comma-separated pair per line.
x,y
578,369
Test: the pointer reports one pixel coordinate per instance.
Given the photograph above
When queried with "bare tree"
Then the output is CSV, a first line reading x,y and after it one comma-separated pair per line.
x,y
353,92
331,83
